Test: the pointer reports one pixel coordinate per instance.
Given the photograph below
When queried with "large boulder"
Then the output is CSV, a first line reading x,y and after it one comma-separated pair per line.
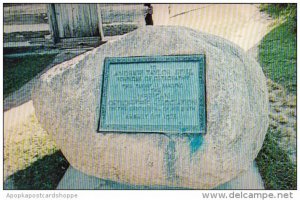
x,y
67,104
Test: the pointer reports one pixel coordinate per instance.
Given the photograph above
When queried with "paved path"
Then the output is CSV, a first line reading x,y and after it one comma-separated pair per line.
x,y
25,27
242,24
17,115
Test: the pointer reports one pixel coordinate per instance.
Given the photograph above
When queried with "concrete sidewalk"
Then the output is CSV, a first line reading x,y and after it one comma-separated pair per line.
x,y
242,24
25,27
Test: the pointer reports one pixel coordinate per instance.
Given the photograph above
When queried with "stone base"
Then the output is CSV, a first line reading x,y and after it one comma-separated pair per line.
x,y
250,180
76,180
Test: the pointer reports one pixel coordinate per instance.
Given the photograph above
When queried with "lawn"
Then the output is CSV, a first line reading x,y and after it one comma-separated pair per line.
x,y
278,58
43,174
31,158
18,71
277,51
276,169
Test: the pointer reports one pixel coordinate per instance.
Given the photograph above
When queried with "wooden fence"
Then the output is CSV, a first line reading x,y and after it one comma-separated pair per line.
x,y
74,21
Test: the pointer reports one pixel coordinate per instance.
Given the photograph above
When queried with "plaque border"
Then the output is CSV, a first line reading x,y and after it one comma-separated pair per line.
x,y
200,58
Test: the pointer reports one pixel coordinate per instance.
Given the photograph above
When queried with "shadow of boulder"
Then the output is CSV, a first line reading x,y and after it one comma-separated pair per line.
x,y
44,174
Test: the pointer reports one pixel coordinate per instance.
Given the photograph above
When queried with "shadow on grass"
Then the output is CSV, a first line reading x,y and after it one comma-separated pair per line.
x,y
19,71
277,170
44,174
275,167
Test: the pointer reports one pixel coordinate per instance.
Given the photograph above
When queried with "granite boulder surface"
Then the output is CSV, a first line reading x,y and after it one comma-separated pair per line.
x,y
67,104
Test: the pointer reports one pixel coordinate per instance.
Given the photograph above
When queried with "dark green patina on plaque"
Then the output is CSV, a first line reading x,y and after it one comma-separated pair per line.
x,y
159,94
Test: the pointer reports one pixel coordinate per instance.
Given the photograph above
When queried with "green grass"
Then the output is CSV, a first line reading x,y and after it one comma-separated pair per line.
x,y
278,57
31,158
18,71
44,174
283,12
276,10
276,169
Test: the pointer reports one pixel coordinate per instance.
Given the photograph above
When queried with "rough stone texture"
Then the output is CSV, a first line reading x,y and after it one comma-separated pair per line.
x,y
249,180
23,94
67,99
76,180
282,114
